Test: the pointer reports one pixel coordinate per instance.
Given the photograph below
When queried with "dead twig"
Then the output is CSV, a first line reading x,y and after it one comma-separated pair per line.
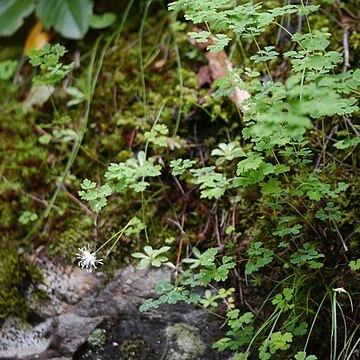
x,y
346,49
182,236
217,233
347,19
77,201
353,128
340,236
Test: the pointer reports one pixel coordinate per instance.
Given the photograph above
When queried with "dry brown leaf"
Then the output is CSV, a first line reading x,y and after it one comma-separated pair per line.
x,y
204,76
159,64
36,38
37,97
219,66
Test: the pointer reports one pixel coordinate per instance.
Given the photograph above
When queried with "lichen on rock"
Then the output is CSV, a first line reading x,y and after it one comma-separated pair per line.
x,y
186,340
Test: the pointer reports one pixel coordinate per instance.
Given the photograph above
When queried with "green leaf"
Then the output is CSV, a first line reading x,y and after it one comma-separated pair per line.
x,y
102,21
282,230
151,256
317,41
301,355
95,196
149,304
300,330
265,55
157,262
12,14
272,187
163,286
259,257
179,166
143,263
331,212
354,265
97,204
47,58
307,255
308,9
222,271
7,69
227,152
135,227
283,244
247,318
157,135
77,96
253,162
215,193
222,344
45,139
208,257
200,37
213,185
345,144
69,18
280,169
314,195
87,184
139,255
140,186
221,40
280,341
283,301
27,217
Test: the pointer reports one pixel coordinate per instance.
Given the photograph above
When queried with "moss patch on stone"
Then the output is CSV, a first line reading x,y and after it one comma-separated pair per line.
x,y
187,342
18,279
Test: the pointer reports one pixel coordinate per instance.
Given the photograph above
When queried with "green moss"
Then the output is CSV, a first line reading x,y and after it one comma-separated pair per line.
x,y
97,338
132,349
18,276
71,236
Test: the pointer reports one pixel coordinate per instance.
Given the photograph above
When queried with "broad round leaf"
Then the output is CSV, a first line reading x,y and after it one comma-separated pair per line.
x,y
68,17
12,13
102,21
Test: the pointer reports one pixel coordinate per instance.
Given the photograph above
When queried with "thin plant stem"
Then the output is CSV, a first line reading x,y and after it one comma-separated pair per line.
x,y
333,327
323,135
141,59
258,47
145,151
181,83
349,357
118,234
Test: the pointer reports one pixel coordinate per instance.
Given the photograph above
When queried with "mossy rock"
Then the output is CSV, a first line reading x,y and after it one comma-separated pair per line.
x,y
18,279
186,340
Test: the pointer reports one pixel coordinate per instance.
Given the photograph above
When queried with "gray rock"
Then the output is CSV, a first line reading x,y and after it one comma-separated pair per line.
x,y
19,339
77,305
64,288
126,292
71,331
160,334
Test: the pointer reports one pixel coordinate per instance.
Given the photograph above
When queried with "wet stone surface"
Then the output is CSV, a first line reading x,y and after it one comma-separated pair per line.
x,y
82,319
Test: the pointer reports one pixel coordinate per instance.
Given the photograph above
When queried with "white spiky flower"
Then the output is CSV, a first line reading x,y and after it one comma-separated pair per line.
x,y
87,259
340,290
